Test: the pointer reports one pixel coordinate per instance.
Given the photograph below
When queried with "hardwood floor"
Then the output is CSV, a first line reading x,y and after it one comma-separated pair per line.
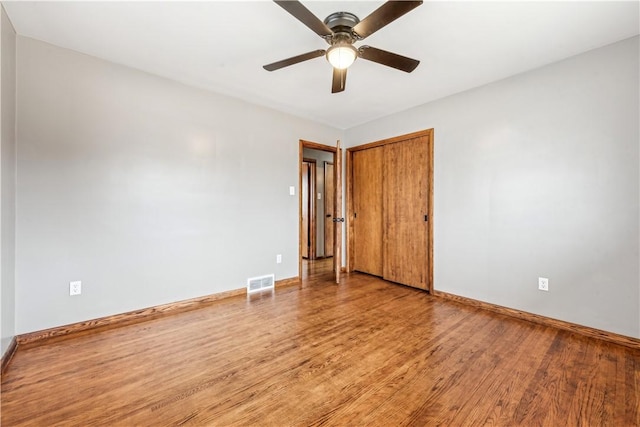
x,y
318,270
365,352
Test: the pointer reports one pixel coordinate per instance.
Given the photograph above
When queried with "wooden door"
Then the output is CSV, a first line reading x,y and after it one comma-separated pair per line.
x,y
337,239
329,208
406,200
367,176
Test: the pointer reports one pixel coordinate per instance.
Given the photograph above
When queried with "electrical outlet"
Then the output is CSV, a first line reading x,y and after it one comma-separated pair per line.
x,y
279,259
75,288
543,283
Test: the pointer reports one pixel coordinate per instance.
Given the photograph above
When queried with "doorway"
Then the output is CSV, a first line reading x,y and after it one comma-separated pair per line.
x,y
318,209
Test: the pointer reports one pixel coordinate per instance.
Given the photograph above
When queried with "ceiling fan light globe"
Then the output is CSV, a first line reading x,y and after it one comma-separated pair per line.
x,y
342,56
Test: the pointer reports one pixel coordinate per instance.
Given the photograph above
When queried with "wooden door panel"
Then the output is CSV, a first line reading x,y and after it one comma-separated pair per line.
x,y
367,210
329,208
405,206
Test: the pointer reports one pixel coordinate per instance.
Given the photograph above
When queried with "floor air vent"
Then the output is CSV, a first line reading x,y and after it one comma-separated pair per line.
x,y
255,284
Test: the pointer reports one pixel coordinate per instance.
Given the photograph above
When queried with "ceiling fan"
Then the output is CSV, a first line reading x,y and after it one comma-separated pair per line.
x,y
341,30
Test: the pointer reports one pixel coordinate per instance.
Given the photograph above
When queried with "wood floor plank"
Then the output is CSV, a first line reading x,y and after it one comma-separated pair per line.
x,y
590,398
543,383
495,403
465,378
368,395
632,388
366,352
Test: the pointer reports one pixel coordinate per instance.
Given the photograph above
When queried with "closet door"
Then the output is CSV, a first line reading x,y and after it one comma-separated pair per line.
x,y
406,201
367,169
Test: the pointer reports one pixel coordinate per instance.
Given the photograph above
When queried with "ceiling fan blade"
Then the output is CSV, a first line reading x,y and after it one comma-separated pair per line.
x,y
389,59
305,16
385,14
294,60
339,80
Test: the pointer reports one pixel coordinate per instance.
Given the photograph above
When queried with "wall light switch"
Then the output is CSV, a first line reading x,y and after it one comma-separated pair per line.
x,y
279,259
319,196
292,190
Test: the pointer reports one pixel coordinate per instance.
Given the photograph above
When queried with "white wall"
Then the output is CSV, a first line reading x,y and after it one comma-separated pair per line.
x,y
146,190
537,175
7,179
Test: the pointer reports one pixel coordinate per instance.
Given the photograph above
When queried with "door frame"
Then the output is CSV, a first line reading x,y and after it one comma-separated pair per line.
x,y
428,133
315,146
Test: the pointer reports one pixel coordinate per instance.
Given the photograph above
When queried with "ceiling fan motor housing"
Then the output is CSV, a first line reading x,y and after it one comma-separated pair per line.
x,y
341,23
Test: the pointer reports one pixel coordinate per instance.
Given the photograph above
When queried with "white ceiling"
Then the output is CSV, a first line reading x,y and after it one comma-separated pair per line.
x,y
221,46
